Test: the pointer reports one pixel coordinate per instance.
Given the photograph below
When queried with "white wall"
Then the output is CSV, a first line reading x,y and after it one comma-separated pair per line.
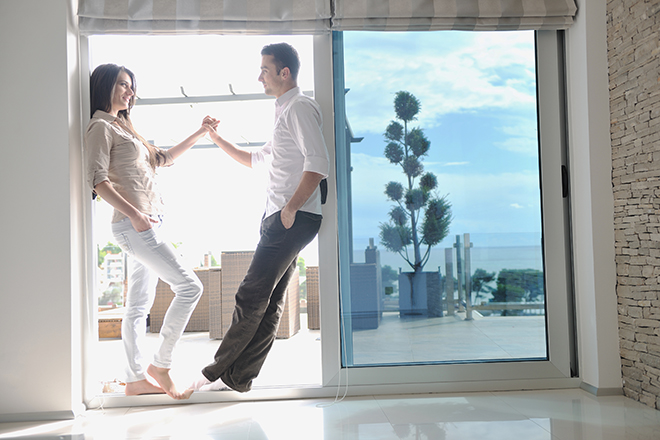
x,y
40,348
592,201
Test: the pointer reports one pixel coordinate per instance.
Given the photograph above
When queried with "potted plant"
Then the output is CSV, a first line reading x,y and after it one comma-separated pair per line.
x,y
420,218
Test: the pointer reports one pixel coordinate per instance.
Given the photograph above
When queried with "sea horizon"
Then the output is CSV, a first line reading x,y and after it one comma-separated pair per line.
x,y
490,252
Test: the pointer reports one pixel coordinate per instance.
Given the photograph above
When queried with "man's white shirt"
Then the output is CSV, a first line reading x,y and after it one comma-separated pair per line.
x,y
296,146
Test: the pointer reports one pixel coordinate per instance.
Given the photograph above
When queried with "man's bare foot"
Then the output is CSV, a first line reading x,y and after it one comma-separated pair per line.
x,y
199,382
203,384
142,387
218,385
162,376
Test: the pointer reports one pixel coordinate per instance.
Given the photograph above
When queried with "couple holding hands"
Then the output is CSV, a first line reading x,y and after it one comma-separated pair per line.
x,y
121,168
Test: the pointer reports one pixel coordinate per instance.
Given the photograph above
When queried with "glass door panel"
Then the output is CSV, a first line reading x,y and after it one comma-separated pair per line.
x,y
443,204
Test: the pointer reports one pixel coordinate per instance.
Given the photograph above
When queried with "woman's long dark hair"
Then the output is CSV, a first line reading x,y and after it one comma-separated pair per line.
x,y
101,89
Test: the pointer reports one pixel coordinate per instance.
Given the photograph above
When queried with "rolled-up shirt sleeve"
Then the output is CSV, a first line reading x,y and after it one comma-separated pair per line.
x,y
98,142
306,125
167,159
258,158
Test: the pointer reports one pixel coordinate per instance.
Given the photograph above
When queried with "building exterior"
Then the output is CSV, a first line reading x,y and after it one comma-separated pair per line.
x,y
112,268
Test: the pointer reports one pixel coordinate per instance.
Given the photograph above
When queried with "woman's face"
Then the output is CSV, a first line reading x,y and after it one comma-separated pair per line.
x,y
122,93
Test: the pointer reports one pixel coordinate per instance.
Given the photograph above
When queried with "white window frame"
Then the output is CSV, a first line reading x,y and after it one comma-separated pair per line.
x,y
558,372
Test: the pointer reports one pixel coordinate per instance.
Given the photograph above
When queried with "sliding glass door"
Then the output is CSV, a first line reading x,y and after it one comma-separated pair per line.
x,y
453,242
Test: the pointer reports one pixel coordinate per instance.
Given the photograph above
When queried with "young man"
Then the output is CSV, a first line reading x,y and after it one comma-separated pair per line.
x,y
297,160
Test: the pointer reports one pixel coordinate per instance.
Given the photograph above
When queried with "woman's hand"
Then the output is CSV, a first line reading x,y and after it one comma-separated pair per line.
x,y
210,124
139,221
142,222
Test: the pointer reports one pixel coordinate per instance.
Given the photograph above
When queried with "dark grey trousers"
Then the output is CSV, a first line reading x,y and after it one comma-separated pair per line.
x,y
260,301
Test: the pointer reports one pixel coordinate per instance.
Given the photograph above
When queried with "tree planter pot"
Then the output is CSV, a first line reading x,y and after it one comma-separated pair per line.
x,y
426,298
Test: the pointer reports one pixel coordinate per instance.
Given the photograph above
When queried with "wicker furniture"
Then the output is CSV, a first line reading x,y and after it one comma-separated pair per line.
x,y
234,267
290,322
199,321
110,323
221,302
313,307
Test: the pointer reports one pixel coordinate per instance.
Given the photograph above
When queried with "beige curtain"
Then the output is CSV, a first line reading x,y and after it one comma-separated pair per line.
x,y
204,16
318,16
429,15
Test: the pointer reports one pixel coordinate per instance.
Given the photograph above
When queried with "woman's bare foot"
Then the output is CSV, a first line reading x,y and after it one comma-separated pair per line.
x,y
162,376
186,394
142,387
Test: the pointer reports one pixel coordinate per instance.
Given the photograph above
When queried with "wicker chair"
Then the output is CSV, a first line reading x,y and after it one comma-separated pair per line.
x,y
313,308
234,267
199,321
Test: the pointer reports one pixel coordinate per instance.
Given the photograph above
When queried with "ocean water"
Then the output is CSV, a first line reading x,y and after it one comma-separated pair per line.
x,y
488,258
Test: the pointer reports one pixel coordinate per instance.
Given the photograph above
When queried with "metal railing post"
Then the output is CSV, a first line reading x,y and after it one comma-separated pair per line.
x,y
468,278
449,281
459,273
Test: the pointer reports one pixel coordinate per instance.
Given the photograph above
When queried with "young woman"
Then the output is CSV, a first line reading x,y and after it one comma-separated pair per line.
x,y
121,168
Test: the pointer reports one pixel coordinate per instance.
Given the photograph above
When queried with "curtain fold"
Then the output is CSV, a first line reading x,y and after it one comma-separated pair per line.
x,y
318,16
468,15
204,16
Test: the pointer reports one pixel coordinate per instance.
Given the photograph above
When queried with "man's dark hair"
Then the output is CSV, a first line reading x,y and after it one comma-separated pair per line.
x,y
285,56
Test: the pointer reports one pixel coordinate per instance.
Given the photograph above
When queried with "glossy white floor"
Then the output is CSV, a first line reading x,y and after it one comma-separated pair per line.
x,y
396,340
530,415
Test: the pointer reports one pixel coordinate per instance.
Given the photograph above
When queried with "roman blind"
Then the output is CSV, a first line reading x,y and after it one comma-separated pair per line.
x,y
317,16
469,15
204,16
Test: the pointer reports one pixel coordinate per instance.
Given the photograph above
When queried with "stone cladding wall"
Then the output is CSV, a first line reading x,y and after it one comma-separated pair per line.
x,y
633,39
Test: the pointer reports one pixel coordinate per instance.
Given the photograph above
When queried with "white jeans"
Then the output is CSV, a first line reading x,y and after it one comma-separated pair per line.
x,y
152,258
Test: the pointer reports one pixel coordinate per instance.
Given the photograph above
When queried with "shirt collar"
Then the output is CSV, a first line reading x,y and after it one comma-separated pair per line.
x,y
286,97
104,115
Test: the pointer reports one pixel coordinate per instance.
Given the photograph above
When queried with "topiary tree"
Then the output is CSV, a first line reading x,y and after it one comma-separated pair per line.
x,y
419,218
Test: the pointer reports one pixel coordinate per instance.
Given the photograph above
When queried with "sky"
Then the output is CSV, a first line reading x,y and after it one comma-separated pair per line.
x,y
478,108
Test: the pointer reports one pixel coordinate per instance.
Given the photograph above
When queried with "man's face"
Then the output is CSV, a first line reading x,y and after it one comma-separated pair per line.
x,y
274,83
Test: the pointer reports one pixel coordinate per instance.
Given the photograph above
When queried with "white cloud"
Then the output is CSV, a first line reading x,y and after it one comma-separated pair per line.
x,y
481,202
523,138
519,145
490,70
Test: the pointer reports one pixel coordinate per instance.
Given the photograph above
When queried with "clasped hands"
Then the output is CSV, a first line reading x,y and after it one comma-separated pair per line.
x,y
210,124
